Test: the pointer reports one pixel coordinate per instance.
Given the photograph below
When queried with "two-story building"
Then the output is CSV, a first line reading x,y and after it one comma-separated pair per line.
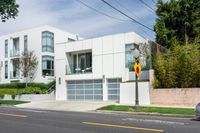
x,y
102,69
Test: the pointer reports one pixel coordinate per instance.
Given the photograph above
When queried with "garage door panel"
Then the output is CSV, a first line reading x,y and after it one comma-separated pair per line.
x,y
70,91
72,97
88,91
114,89
85,90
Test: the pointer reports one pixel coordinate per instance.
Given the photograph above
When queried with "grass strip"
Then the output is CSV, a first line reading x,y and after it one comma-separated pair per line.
x,y
161,110
12,102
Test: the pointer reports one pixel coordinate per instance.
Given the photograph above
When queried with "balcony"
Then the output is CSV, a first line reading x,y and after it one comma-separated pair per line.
x,y
14,53
14,75
72,69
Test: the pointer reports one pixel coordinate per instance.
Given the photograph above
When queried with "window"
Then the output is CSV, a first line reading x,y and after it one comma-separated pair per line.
x,y
82,62
47,41
25,43
6,48
130,51
6,69
47,65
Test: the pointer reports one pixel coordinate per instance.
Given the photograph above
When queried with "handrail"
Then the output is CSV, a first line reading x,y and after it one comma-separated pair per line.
x,y
51,89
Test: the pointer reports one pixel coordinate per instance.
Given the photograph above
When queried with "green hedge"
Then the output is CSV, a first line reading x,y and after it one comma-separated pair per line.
x,y
42,86
27,90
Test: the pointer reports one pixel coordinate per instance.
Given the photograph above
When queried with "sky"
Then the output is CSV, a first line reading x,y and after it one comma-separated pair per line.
x,y
76,18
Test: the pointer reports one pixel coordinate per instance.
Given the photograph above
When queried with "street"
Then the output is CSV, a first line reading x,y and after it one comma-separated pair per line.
x,y
17,120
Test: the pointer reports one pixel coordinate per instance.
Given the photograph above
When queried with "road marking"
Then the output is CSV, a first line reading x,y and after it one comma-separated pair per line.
x,y
14,115
121,126
155,121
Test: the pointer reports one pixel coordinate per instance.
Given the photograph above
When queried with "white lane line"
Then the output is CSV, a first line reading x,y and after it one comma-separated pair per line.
x,y
155,121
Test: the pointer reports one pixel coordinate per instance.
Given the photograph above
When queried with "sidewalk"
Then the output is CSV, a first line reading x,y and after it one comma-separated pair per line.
x,y
80,106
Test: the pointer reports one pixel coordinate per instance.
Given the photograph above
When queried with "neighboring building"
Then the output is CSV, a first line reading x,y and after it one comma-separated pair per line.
x,y
102,69
41,40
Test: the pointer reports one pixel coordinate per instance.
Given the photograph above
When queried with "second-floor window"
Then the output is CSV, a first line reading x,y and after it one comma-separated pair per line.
x,y
47,41
6,48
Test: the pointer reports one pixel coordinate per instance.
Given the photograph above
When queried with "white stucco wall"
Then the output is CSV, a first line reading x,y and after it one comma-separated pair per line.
x,y
127,93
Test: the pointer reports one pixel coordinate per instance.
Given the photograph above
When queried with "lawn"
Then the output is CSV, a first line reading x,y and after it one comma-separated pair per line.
x,y
161,110
12,102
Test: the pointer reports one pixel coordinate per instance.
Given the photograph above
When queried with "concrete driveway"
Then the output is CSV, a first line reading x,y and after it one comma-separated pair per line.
x,y
80,106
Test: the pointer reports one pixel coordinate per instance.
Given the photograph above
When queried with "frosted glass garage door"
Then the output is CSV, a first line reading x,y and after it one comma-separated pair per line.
x,y
114,89
85,90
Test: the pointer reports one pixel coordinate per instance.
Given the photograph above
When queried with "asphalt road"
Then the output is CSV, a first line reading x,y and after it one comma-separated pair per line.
x,y
16,120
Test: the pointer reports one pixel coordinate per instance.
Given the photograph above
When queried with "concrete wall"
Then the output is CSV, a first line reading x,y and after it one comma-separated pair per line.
x,y
31,97
175,96
127,93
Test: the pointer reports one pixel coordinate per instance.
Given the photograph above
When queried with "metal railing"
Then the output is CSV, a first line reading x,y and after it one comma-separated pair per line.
x,y
72,69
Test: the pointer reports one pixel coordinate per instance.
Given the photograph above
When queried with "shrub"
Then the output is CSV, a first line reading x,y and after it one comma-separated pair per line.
x,y
179,67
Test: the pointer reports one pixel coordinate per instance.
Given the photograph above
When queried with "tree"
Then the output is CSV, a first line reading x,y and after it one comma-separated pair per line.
x,y
178,67
8,9
178,22
27,65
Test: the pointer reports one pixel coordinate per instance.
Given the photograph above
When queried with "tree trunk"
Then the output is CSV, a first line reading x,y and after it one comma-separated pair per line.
x,y
186,36
26,81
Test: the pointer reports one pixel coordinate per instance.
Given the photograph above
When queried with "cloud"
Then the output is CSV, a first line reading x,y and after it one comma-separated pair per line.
x,y
73,17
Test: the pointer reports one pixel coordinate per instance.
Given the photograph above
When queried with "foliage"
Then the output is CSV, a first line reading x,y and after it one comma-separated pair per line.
x,y
23,85
27,64
27,90
178,21
8,9
11,102
179,67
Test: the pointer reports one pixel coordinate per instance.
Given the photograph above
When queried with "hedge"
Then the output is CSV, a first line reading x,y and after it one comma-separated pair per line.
x,y
42,86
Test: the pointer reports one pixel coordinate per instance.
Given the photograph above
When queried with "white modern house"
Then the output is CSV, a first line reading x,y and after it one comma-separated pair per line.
x,y
101,69
41,40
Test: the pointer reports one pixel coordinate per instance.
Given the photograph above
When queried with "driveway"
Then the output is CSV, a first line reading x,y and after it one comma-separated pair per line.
x,y
80,106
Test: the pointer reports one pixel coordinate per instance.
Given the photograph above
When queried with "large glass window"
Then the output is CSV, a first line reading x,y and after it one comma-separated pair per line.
x,y
47,41
6,48
47,65
131,49
6,69
25,43
82,62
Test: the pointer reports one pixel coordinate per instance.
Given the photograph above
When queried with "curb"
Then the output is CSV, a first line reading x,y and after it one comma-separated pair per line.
x,y
144,113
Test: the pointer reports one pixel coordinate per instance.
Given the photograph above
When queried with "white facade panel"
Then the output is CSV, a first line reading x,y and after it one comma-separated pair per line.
x,y
108,65
107,45
97,46
97,66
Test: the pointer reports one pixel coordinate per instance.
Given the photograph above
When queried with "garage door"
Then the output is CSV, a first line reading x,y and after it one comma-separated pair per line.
x,y
114,89
85,90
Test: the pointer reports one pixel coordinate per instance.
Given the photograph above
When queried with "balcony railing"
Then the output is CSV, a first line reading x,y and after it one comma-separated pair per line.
x,y
71,69
14,75
14,53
